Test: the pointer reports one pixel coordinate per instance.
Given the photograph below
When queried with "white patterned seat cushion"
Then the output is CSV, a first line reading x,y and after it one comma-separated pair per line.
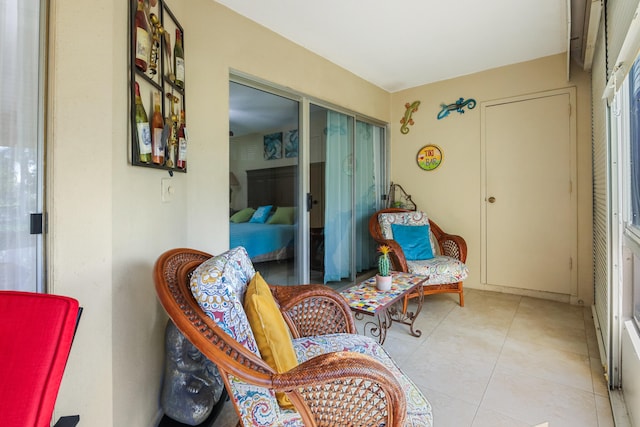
x,y
440,269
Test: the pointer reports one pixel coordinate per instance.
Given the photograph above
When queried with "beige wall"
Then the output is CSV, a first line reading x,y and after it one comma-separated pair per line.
x,y
451,194
107,224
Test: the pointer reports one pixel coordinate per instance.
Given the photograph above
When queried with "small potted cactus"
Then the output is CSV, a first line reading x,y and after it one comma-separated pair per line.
x,y
383,278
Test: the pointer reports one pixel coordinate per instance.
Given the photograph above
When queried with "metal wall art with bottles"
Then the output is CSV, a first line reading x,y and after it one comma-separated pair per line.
x,y
158,131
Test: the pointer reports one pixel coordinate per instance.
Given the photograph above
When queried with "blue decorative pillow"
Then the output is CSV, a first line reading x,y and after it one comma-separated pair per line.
x,y
261,214
414,241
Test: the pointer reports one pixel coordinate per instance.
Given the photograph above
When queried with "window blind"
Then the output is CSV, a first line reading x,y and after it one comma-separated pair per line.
x,y
600,191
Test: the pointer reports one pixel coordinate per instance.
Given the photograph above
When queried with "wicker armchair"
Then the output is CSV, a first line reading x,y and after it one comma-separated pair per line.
x,y
342,378
446,270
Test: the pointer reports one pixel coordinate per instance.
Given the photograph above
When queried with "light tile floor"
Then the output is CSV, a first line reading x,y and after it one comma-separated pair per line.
x,y
501,360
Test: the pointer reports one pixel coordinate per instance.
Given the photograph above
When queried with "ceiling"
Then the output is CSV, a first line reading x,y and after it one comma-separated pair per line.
x,y
406,43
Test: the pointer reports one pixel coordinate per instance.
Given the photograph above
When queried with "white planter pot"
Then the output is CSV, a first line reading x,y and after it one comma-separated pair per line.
x,y
383,283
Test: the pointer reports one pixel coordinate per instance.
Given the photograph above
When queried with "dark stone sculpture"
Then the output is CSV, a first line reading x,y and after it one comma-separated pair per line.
x,y
192,384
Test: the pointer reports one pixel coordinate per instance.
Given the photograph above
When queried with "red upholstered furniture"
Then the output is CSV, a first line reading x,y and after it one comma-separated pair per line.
x,y
36,332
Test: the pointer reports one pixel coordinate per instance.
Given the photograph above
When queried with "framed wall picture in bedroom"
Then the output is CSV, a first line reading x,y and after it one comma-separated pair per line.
x,y
273,146
291,143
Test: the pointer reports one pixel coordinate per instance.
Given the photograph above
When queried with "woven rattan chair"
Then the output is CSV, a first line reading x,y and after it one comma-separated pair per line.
x,y
446,270
342,379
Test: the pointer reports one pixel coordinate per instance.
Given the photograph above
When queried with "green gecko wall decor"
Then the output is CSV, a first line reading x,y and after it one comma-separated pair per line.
x,y
407,120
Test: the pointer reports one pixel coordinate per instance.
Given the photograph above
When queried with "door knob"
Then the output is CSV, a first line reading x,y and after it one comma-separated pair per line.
x,y
491,199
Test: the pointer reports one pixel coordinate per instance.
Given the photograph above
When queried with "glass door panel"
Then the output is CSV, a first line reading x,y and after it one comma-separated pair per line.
x,y
369,187
21,165
264,175
338,227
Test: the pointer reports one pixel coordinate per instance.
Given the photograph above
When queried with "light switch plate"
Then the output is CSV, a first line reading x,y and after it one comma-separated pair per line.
x,y
167,190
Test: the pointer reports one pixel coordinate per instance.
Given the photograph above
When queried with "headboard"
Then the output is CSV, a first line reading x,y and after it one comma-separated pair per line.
x,y
272,186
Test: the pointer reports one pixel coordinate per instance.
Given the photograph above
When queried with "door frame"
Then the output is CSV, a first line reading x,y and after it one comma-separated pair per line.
x,y
571,92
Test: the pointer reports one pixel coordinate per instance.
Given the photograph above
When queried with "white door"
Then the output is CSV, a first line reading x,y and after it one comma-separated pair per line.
x,y
529,220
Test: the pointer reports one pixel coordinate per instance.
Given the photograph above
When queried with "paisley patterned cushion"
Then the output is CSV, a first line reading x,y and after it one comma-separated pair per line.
x,y
258,406
440,269
405,218
218,285
418,407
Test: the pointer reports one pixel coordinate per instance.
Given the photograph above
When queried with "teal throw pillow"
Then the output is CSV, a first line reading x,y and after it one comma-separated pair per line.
x,y
414,241
242,215
261,214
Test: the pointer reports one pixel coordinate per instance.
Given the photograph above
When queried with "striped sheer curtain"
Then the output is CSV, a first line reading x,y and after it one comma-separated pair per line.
x,y
353,186
338,224
367,181
20,143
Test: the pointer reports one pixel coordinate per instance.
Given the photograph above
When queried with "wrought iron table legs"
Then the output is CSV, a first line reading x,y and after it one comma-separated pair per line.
x,y
378,328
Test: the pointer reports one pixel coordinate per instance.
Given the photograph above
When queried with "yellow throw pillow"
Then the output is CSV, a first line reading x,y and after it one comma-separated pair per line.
x,y
270,330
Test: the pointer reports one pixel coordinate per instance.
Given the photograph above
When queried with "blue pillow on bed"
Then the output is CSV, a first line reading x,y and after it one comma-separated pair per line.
x,y
414,241
261,214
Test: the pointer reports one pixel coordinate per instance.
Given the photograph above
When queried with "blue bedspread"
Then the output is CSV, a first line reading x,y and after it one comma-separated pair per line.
x,y
261,239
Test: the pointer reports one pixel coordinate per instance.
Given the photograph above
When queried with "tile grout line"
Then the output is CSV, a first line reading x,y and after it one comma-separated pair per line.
x,y
493,370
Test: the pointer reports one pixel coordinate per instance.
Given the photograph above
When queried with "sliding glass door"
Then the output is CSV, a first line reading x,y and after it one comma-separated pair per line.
x,y
321,168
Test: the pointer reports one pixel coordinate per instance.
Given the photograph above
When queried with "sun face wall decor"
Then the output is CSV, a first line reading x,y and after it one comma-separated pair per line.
x,y
429,157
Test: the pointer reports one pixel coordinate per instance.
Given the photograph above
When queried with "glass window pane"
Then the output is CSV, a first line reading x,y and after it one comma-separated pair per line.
x,y
20,167
635,143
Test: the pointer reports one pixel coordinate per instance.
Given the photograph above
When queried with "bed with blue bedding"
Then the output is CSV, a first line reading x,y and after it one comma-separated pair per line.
x,y
264,242
270,236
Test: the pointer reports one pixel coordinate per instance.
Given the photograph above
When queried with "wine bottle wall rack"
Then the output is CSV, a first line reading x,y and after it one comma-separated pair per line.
x,y
158,78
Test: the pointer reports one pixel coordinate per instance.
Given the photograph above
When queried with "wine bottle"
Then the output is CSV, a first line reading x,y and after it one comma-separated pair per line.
x,y
178,58
182,143
141,38
142,130
157,126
